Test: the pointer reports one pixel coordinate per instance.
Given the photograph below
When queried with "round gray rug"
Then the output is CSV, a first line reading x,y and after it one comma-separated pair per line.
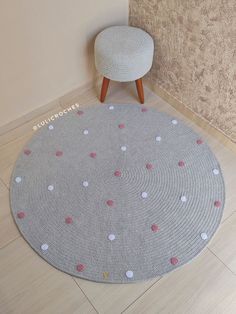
x,y
117,193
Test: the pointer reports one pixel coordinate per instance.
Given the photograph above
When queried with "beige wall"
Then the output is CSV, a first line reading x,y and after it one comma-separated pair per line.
x,y
195,55
46,49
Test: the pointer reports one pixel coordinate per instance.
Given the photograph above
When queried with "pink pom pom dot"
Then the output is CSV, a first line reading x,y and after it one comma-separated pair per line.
x,y
21,215
80,112
27,152
93,155
154,228
174,260
110,203
59,153
68,220
199,141
181,163
217,203
121,126
144,109
80,267
149,166
117,173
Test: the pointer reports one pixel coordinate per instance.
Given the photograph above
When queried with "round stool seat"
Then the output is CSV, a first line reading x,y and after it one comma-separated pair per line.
x,y
123,53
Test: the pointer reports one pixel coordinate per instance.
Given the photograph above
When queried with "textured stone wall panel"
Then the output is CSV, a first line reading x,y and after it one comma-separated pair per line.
x,y
195,54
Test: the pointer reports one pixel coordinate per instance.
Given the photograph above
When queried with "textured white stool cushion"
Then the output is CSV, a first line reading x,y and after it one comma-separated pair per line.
x,y
123,53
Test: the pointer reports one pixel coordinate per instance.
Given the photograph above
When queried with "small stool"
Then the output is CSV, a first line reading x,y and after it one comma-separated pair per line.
x,y
123,53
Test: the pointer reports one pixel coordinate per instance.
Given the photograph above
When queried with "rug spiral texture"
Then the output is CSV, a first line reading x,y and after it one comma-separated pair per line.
x,y
117,193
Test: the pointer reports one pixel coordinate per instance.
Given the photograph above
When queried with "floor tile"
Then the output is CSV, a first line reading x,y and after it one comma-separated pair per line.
x,y
8,229
5,175
30,285
223,244
27,127
10,151
3,188
201,287
113,298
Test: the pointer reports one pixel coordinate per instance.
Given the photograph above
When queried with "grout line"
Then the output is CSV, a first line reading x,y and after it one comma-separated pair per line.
x,y
84,294
1,180
16,138
221,261
27,121
5,245
224,220
28,130
141,295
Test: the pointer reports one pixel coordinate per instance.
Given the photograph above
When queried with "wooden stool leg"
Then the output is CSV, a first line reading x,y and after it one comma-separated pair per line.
x,y
105,84
139,86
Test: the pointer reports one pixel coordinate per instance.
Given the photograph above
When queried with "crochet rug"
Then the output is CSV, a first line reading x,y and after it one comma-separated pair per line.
x,y
117,193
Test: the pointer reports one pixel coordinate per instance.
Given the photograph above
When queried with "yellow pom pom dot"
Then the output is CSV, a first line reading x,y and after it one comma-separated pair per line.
x,y
106,275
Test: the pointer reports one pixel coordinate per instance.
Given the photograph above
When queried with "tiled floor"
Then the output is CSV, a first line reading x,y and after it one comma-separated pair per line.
x,y
28,285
